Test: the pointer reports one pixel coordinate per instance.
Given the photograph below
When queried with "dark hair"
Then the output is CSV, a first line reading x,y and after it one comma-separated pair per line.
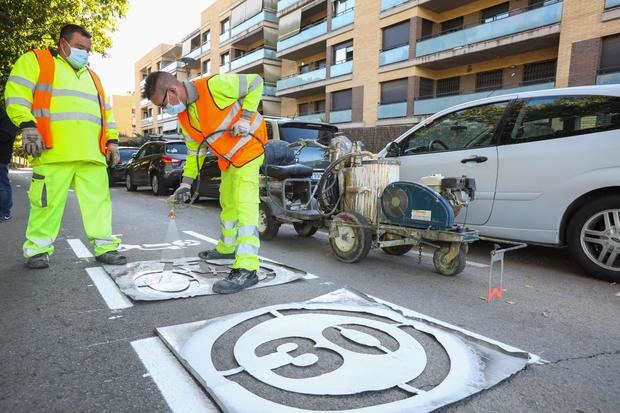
x,y
154,81
68,29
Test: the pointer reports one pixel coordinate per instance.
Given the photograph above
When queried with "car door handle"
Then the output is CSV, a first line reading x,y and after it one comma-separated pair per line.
x,y
477,159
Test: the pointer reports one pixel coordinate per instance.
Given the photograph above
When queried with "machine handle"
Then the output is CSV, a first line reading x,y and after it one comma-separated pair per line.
x,y
477,159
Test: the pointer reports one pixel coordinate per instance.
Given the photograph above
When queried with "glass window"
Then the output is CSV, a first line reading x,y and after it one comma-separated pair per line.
x,y
206,37
269,130
468,128
492,80
225,26
126,153
176,148
449,87
319,106
151,149
343,6
396,36
394,91
561,116
343,52
539,72
206,67
452,25
342,100
610,55
224,59
426,88
427,28
304,109
495,13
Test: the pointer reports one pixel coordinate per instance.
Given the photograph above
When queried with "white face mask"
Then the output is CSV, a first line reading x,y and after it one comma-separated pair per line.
x,y
77,58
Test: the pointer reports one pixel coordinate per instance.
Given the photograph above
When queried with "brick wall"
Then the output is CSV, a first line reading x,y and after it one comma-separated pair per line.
x,y
375,138
585,58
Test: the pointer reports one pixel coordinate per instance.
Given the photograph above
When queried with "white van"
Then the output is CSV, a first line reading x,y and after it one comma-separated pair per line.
x,y
546,165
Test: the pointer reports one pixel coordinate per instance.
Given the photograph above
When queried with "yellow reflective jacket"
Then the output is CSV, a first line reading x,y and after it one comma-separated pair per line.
x,y
226,90
75,111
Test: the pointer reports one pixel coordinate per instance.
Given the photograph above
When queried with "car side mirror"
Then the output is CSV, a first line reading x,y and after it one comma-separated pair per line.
x,y
393,150
134,156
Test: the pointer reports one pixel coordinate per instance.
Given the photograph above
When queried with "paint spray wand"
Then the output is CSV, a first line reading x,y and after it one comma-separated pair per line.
x,y
172,213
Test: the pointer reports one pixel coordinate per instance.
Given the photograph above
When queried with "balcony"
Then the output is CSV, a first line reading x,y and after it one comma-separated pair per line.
x,y
283,4
522,31
309,36
388,4
200,76
312,117
611,3
252,59
225,68
302,79
194,53
224,36
254,21
392,110
173,67
269,90
395,55
142,83
144,102
340,116
609,78
343,19
146,121
430,106
341,69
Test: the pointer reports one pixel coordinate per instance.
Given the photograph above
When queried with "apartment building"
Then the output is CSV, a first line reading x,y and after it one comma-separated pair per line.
x,y
234,36
124,114
373,64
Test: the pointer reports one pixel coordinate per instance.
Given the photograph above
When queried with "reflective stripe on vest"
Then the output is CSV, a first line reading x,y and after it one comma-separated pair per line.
x,y
42,98
228,148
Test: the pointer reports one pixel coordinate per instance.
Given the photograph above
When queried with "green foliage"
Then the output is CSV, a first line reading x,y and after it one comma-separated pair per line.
x,y
27,24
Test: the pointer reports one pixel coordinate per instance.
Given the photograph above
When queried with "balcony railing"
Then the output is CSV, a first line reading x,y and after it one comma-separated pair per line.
x,y
144,102
172,67
611,3
312,117
252,57
283,4
260,17
200,76
343,19
388,4
269,90
142,83
224,36
225,68
392,110
518,21
341,69
194,53
340,116
430,106
307,34
397,54
146,121
609,78
302,79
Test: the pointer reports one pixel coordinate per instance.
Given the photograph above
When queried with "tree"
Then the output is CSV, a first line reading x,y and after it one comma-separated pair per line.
x,y
27,24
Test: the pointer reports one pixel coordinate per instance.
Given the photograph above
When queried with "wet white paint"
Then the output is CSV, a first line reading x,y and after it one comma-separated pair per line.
x,y
175,384
108,290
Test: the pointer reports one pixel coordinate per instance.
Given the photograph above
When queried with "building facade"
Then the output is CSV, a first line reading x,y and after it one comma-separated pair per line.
x,y
377,65
124,114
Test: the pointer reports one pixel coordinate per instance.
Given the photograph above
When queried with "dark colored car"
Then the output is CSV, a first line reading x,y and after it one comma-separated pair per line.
x,y
117,174
288,130
158,164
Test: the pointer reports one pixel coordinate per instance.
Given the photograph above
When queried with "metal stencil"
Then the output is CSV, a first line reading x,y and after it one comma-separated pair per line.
x,y
379,354
188,277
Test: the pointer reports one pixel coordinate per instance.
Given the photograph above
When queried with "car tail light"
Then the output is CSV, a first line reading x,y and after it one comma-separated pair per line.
x,y
170,160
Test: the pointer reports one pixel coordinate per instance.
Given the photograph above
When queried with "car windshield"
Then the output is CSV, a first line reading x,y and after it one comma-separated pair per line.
x,y
313,156
126,154
176,149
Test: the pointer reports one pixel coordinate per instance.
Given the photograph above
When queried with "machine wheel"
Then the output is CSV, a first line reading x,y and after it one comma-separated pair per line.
x,y
267,225
305,229
396,250
129,183
454,267
354,238
156,185
593,237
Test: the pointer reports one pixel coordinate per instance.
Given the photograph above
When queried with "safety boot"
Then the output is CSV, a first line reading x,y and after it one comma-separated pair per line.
x,y
238,279
38,261
112,258
215,255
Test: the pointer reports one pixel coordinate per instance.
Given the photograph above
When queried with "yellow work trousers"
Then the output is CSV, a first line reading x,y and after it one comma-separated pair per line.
x,y
48,195
239,199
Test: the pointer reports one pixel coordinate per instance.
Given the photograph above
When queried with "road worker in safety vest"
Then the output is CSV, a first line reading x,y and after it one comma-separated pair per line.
x,y
69,132
223,110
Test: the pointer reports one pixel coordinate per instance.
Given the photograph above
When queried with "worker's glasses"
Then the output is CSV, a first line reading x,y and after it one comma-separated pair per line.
x,y
163,101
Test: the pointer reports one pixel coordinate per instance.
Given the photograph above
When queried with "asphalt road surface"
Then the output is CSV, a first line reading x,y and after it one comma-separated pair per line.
x,y
71,342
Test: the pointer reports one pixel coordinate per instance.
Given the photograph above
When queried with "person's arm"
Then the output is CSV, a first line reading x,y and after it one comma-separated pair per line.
x,y
7,129
228,88
110,125
19,90
190,169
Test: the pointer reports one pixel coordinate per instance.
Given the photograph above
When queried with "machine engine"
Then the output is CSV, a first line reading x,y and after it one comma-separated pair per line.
x,y
431,204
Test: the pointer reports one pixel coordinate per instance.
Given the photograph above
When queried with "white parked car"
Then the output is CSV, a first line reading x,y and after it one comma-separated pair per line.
x,y
546,165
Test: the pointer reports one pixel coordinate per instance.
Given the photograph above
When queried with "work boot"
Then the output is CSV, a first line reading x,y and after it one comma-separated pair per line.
x,y
112,258
38,261
238,279
215,255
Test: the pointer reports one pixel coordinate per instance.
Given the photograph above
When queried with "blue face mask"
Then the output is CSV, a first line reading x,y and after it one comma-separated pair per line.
x,y
175,109
78,58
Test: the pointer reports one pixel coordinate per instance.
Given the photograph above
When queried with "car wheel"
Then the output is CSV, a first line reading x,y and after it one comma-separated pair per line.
x,y
594,237
129,183
157,185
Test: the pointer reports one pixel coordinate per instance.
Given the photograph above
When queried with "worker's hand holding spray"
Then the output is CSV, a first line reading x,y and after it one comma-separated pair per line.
x,y
182,195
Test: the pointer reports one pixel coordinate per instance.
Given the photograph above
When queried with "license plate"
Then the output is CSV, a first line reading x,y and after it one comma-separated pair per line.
x,y
317,175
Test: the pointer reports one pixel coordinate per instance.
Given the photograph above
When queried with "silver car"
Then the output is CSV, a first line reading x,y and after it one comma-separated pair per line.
x,y
546,164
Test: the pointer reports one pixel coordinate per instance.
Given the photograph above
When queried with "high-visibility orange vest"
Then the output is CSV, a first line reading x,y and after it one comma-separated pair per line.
x,y
229,149
42,99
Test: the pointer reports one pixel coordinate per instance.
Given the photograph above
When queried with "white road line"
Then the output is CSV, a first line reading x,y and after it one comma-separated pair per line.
x,y
176,385
210,240
79,248
108,289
